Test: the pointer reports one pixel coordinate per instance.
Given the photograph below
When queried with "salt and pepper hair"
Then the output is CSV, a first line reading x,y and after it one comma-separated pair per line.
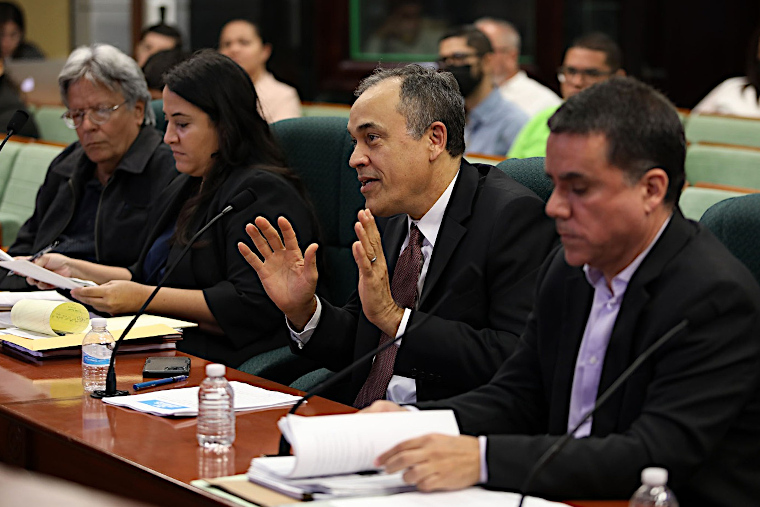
x,y
509,37
106,66
426,96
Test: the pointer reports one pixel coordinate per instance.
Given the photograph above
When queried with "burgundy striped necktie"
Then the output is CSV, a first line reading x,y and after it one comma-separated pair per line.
x,y
404,292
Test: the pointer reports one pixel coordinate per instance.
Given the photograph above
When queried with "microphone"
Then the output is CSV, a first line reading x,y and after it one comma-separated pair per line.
x,y
242,200
16,123
460,283
702,313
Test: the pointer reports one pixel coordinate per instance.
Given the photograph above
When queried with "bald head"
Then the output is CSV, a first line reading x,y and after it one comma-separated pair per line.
x,y
505,40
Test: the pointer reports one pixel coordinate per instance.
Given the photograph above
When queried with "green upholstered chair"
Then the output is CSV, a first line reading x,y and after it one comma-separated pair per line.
x,y
309,109
158,109
695,201
723,165
529,172
723,129
51,126
26,176
736,223
318,149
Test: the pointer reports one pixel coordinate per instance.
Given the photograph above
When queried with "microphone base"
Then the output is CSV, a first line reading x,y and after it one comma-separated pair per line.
x,y
102,394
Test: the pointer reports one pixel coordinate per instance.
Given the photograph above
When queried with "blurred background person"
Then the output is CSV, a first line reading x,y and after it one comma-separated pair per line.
x,y
243,41
96,198
13,44
492,121
514,84
738,96
153,39
159,64
406,29
222,146
590,59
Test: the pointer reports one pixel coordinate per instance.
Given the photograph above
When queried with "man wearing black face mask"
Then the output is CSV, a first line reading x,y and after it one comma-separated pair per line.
x,y
492,121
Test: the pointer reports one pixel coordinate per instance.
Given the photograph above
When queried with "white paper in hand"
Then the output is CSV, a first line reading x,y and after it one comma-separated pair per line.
x,y
32,270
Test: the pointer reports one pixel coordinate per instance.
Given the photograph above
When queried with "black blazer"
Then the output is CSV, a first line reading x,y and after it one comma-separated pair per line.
x,y
497,225
251,323
693,408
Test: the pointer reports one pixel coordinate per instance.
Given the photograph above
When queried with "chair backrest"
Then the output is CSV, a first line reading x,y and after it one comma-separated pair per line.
x,y
723,165
736,223
695,201
158,109
7,159
51,127
318,149
27,174
529,172
723,129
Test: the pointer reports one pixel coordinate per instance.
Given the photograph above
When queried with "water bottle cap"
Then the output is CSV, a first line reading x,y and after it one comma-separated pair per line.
x,y
215,370
98,322
654,476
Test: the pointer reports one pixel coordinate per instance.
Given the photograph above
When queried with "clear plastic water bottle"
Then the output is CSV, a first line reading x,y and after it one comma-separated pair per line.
x,y
654,491
216,410
97,348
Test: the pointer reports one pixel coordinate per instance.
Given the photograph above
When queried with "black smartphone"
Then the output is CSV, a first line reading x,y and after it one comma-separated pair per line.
x,y
159,367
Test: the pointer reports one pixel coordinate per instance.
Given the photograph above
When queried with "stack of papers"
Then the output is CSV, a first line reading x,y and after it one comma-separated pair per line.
x,y
184,402
335,454
272,472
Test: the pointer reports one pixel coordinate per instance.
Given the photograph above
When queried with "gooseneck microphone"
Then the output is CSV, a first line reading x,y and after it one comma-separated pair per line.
x,y
698,316
242,200
459,283
16,123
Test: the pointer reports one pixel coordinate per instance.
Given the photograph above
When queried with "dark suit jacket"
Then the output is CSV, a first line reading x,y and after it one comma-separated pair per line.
x,y
492,222
251,323
693,407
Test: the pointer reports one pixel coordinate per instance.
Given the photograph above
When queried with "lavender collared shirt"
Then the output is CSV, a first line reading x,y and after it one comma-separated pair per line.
x,y
596,337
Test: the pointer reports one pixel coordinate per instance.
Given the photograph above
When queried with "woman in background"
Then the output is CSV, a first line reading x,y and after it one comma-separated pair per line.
x,y
13,45
222,146
738,96
242,41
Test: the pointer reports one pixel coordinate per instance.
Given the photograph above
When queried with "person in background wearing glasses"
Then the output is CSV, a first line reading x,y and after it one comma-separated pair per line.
x,y
513,83
590,59
98,192
492,121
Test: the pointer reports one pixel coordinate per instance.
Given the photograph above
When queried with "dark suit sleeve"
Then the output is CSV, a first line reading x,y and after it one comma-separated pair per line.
x,y
238,301
476,329
700,383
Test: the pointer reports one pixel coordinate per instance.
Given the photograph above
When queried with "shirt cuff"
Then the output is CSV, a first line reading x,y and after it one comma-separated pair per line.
x,y
303,337
402,325
483,441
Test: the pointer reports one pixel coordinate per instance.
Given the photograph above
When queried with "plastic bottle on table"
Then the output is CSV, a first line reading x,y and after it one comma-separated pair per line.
x,y
97,348
216,410
654,491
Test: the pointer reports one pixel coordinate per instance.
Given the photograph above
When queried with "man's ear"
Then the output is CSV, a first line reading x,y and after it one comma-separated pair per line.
x,y
655,185
437,136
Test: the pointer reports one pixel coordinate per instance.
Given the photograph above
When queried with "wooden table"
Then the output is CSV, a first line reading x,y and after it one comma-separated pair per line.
x,y
48,425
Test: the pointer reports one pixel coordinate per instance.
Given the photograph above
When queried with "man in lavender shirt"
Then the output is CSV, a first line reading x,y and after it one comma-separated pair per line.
x,y
630,268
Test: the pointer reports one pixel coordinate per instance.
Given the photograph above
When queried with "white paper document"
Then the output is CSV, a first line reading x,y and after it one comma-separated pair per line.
x,y
270,472
471,497
30,269
349,443
184,402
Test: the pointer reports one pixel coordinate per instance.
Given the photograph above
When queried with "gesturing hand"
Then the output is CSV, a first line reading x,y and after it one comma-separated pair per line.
x,y
289,278
374,284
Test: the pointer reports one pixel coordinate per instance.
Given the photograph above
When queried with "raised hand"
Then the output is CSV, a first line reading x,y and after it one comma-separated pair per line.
x,y
289,278
374,284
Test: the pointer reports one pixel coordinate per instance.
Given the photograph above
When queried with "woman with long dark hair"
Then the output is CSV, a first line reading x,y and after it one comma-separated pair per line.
x,y
221,146
737,96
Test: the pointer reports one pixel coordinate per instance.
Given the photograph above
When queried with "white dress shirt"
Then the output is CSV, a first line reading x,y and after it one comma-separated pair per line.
x,y
401,390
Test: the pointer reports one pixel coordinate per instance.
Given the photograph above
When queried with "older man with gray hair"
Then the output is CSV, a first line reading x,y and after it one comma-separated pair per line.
x,y
513,83
98,192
